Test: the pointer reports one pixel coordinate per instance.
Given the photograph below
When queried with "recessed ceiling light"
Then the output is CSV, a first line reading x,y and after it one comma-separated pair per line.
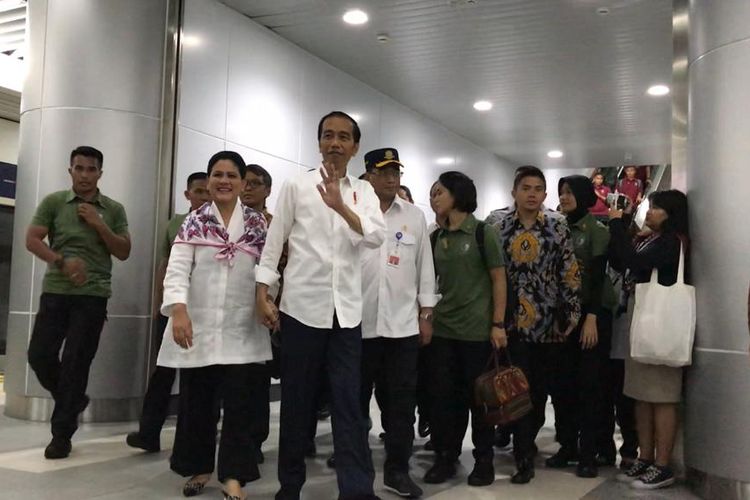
x,y
355,16
445,161
658,90
555,153
602,11
483,105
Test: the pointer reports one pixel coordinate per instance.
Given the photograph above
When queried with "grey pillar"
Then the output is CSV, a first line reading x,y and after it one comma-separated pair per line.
x,y
96,74
717,441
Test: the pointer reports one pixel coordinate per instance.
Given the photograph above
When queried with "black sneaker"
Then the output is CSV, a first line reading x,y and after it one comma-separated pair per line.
x,y
136,440
561,459
483,474
634,472
443,470
654,478
57,448
401,484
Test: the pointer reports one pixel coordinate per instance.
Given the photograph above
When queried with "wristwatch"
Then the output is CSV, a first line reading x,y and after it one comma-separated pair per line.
x,y
499,324
59,262
426,316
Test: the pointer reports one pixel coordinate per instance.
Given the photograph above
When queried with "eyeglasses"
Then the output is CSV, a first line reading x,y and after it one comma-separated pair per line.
x,y
390,173
254,184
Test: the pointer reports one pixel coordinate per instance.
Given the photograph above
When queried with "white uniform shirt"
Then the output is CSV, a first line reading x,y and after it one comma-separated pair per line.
x,y
220,302
323,273
398,277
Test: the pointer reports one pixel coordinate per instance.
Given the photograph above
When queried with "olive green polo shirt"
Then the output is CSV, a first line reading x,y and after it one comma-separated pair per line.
x,y
173,227
465,310
70,236
590,240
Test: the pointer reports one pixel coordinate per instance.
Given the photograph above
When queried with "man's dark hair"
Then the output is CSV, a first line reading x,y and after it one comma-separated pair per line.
x,y
196,176
356,133
462,189
675,204
88,152
525,171
408,192
260,172
232,156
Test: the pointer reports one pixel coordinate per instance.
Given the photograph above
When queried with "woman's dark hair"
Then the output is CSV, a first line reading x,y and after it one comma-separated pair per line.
x,y
232,156
260,172
525,171
462,189
408,192
356,133
674,203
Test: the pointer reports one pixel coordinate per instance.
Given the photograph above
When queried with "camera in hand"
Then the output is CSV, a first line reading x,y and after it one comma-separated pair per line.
x,y
618,201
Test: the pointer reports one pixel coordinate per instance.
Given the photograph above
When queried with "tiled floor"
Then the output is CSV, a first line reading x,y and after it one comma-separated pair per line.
x,y
103,467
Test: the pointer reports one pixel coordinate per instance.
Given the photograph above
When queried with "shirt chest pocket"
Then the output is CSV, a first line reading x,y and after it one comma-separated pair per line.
x,y
402,243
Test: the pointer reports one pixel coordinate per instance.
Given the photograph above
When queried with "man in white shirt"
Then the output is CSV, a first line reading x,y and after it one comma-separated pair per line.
x,y
398,288
326,218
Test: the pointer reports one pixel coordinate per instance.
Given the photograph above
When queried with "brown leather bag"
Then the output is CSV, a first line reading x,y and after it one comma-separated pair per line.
x,y
502,392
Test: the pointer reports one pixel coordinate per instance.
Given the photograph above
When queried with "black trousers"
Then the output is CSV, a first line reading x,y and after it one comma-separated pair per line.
x,y
620,408
158,394
235,387
455,365
77,320
260,423
579,417
424,403
549,375
391,364
305,351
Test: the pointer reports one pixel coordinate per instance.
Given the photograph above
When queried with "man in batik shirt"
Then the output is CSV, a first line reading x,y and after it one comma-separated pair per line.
x,y
543,280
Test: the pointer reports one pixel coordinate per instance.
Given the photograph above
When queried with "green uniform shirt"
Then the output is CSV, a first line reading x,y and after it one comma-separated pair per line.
x,y
465,311
590,240
70,236
172,229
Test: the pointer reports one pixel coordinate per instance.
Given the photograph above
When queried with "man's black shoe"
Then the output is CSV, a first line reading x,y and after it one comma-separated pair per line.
x,y
331,462
561,459
135,440
603,460
483,474
586,470
401,484
502,438
443,470
57,448
524,474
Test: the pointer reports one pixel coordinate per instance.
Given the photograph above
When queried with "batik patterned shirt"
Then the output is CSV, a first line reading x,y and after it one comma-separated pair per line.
x,y
543,273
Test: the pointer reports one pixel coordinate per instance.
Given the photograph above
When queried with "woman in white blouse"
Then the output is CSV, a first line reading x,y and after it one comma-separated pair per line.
x,y
213,335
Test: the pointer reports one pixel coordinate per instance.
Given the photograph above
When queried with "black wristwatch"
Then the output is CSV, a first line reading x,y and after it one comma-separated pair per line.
x,y
499,324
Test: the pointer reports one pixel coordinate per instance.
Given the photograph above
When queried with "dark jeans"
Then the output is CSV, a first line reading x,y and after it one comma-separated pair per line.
x,y
305,351
617,407
158,394
455,365
581,415
77,320
392,365
201,390
549,375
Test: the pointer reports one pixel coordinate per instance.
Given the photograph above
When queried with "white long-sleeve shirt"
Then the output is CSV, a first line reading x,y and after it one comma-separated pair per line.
x,y
220,301
323,273
398,277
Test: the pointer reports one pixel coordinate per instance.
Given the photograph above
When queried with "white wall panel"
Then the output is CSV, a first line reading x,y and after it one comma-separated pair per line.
x,y
264,90
194,149
204,67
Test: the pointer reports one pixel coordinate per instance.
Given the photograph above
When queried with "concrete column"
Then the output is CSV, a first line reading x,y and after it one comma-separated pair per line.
x,y
96,77
718,384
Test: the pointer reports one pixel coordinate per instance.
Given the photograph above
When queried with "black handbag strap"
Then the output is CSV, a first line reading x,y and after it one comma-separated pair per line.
x,y
495,359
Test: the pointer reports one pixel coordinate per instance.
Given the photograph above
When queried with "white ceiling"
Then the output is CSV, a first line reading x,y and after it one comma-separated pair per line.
x,y
559,74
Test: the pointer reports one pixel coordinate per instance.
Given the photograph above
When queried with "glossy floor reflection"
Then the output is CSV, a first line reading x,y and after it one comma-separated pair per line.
x,y
101,466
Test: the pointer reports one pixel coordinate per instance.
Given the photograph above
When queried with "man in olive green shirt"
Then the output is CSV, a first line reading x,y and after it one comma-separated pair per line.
x,y
84,229
156,399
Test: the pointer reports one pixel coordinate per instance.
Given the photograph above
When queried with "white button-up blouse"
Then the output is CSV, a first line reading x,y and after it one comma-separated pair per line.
x,y
212,270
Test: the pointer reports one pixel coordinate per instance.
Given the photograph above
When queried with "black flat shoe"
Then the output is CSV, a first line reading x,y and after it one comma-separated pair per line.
x,y
440,472
524,474
135,440
58,448
482,475
587,471
193,488
561,459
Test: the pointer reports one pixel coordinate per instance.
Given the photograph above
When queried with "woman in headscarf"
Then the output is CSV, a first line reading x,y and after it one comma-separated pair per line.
x,y
213,335
589,342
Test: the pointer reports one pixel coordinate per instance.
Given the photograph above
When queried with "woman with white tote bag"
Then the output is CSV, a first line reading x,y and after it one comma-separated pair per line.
x,y
657,389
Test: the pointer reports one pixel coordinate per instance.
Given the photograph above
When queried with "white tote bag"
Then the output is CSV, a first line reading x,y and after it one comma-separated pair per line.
x,y
663,325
